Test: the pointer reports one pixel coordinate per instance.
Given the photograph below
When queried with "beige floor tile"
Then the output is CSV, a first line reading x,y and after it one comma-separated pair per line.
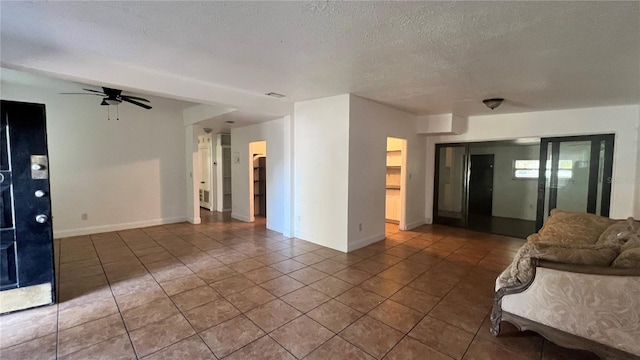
x,y
263,274
27,325
282,285
89,310
337,348
232,285
117,348
334,315
176,286
273,315
329,266
409,348
396,315
287,266
231,335
301,336
305,299
156,336
371,336
331,286
211,314
360,299
381,286
149,313
43,348
195,297
417,300
264,348
150,292
443,337
250,298
352,275
192,348
246,265
307,275
88,334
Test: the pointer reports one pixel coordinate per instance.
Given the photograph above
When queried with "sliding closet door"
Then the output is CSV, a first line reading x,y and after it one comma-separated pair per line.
x,y
573,175
450,197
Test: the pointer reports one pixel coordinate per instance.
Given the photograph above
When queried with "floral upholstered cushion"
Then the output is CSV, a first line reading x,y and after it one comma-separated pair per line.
x,y
572,227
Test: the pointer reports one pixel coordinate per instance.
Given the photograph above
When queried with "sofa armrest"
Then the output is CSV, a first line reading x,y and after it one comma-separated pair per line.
x,y
594,303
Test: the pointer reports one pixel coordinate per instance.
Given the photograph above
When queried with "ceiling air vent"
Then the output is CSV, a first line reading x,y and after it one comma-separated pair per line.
x,y
275,95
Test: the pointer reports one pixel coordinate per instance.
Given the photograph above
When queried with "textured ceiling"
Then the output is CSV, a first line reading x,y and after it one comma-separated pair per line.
x,y
422,57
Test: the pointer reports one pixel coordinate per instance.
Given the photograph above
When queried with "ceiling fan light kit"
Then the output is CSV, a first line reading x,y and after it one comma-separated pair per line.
x,y
493,102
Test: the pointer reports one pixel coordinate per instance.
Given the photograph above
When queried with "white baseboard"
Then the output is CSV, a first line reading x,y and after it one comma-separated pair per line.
x,y
415,224
240,217
195,221
57,234
364,242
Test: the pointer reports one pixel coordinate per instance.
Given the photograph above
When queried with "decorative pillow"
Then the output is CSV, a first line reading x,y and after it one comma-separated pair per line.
x,y
573,227
625,233
629,258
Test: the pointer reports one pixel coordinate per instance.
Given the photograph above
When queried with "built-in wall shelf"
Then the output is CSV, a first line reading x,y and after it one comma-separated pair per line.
x,y
394,171
260,184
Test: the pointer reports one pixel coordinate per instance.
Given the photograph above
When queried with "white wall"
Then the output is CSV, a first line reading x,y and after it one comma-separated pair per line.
x,y
512,198
370,124
621,120
123,174
278,203
321,163
637,178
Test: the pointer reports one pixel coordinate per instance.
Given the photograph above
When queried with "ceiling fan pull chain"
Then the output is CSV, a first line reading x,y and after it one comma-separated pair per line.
x,y
108,114
117,112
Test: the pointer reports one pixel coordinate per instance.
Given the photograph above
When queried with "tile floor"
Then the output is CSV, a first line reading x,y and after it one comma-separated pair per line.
x,y
232,290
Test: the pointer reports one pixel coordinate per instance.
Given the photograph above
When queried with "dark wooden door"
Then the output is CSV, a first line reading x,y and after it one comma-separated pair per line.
x,y
26,237
481,185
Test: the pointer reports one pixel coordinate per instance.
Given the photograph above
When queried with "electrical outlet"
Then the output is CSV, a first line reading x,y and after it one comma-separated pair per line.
x,y
360,227
84,216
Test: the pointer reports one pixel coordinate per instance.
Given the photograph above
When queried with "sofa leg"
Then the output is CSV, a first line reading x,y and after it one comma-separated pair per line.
x,y
496,318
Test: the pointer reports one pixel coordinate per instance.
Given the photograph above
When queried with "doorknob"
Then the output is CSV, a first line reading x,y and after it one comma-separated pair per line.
x,y
42,218
39,193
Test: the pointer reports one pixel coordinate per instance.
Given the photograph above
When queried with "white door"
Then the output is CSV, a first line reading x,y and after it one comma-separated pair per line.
x,y
205,182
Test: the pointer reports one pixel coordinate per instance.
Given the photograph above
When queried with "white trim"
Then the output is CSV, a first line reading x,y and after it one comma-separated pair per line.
x,y
240,217
116,227
415,224
364,242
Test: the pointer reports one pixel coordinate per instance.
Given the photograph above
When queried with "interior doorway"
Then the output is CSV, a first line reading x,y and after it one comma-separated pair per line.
x,y
481,185
205,192
395,181
258,179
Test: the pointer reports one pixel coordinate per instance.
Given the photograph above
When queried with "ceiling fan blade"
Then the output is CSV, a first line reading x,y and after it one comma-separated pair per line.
x,y
134,97
80,94
136,103
95,91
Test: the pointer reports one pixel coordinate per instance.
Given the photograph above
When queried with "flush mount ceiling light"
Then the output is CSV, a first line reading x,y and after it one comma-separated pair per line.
x,y
275,95
208,130
493,103
230,122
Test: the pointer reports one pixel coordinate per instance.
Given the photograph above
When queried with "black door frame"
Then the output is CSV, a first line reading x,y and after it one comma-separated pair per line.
x,y
594,167
471,177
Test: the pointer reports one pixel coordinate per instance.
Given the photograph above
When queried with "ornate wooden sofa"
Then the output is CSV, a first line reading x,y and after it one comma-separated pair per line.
x,y
576,292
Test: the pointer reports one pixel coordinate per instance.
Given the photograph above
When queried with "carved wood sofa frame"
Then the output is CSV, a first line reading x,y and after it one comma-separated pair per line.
x,y
557,336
